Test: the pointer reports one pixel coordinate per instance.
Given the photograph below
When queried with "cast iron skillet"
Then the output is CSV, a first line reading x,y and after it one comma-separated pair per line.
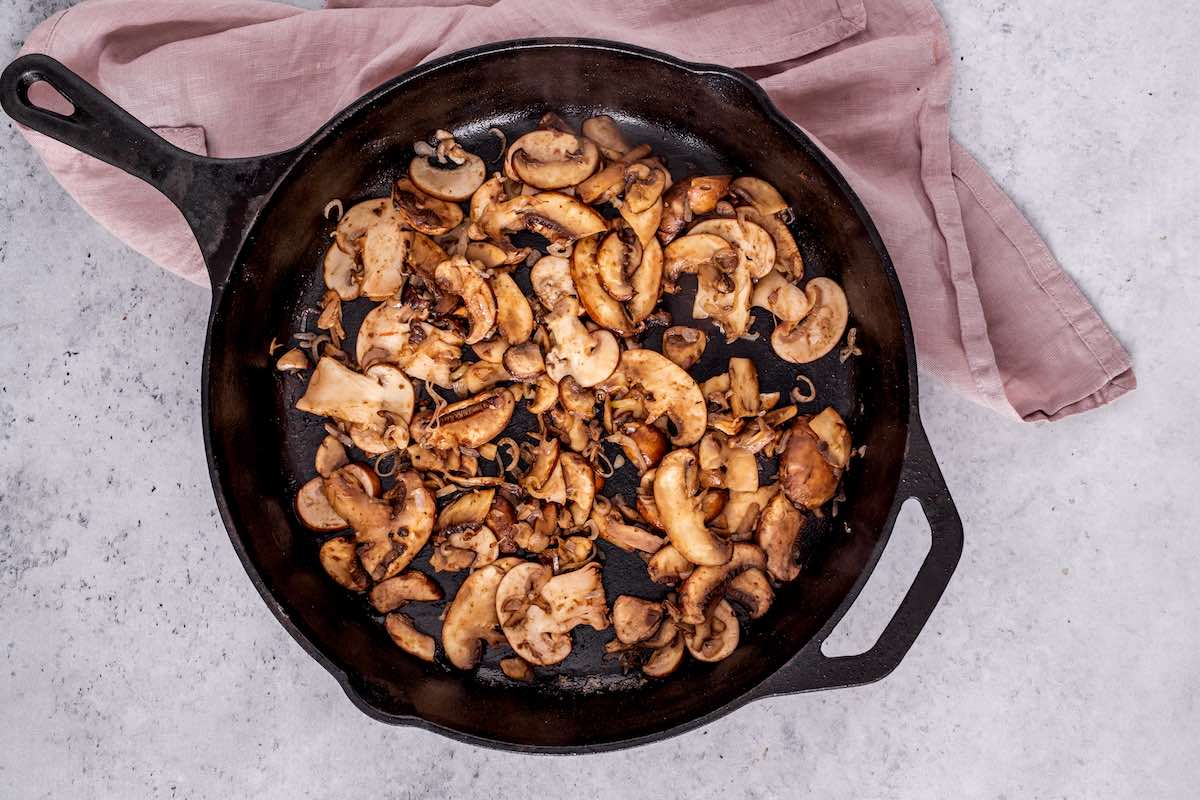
x,y
261,230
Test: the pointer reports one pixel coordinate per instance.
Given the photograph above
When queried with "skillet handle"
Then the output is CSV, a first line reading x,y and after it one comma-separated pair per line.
x,y
218,197
810,669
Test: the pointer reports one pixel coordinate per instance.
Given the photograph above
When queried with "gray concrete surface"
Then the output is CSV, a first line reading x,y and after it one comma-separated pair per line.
x,y
137,660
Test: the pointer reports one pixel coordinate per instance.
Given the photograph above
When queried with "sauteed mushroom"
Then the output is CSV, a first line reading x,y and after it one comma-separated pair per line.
x,y
676,496
421,212
471,621
817,452
820,330
669,392
551,159
684,345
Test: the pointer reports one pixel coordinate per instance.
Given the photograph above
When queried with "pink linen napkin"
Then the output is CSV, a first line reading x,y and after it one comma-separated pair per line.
x,y
993,313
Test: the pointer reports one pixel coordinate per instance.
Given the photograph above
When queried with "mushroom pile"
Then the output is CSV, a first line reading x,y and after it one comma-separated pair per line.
x,y
453,352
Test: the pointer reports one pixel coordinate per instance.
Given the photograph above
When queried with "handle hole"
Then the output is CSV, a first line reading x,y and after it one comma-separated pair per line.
x,y
864,623
47,98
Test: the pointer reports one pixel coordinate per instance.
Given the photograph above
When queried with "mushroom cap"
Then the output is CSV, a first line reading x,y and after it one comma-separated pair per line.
x,y
787,254
580,485
551,279
524,362
820,330
313,509
552,159
666,659
559,217
355,222
644,185
602,186
753,243
669,392
678,503
454,182
526,619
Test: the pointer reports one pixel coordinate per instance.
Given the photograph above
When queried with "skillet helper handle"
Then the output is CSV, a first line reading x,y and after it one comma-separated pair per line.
x,y
811,669
218,197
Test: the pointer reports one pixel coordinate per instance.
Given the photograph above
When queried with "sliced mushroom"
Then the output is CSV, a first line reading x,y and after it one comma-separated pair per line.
x,y
457,277
516,669
668,566
644,185
467,423
464,547
341,273
363,401
453,182
645,224
410,585
619,254
331,454
552,159
779,528
820,330
743,388
644,445
646,283
602,307
314,510
580,482
724,296
537,609
786,301
684,345
545,395
551,279
490,192
435,357
470,508
471,619
602,186
754,244
688,254
383,335
752,591
388,533
385,252
635,619
354,224
408,638
588,357
340,561
677,498
715,637
706,585
559,217
491,350
603,131
736,468
759,194
787,254
422,212
817,452
690,196
669,391
493,256
628,537
514,317
666,659
524,362
293,360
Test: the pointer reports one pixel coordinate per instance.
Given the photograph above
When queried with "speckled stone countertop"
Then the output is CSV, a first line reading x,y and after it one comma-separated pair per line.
x,y
1064,661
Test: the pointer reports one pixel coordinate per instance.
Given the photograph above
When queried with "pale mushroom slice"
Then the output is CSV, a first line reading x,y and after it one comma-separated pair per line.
x,y
408,638
669,566
589,357
474,378
701,590
688,254
471,620
817,452
646,283
331,454
744,397
358,220
452,182
465,547
538,609
669,391
736,468
493,255
617,256
552,159
559,217
787,254
754,244
388,532
644,185
490,192
602,186
724,297
379,402
602,307
408,586
340,561
579,480
784,299
715,637
457,277
603,131
341,272
424,213
644,224
385,252
524,362
550,277
435,357
514,317
314,510
471,423
636,619
628,537
293,360
491,350
677,498
742,509
684,345
764,197
820,330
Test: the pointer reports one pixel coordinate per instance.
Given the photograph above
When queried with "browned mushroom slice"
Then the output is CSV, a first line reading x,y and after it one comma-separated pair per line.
x,y
408,586
354,224
388,533
820,330
643,444
752,591
812,462
636,619
537,609
587,356
706,585
513,314
580,481
684,345
435,357
779,527
690,196
787,254
644,185
786,301
602,186
331,454
545,395
453,182
736,468
464,547
314,510
753,243
340,561
618,255
705,191
471,620
645,224
491,350
560,218
688,254
743,385
524,362
492,191
677,498
470,508
457,277
552,159
493,256
715,637
475,378
516,669
666,659
466,423
408,638
341,273
423,213
646,283
599,304
759,194
603,131
628,537
724,296
669,566
668,389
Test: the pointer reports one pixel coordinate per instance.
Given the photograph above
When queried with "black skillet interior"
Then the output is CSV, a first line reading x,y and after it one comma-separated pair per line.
x,y
262,449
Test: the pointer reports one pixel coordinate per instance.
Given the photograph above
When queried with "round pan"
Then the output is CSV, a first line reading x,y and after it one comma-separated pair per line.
x,y
260,227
